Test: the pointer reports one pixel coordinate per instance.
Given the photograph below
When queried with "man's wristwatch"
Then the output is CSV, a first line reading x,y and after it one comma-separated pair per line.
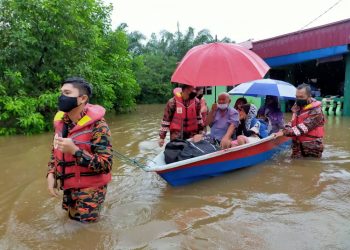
x,y
78,153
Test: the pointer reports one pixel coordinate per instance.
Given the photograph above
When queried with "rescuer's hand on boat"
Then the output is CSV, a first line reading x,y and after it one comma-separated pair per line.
x,y
66,145
161,142
278,134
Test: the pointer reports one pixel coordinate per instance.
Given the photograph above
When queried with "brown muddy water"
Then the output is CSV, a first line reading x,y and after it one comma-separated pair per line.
x,y
281,204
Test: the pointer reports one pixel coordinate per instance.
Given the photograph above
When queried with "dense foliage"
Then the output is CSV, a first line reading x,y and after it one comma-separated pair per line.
x,y
44,41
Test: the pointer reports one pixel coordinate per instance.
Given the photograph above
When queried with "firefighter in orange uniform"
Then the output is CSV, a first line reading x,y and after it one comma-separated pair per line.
x,y
307,125
182,115
81,158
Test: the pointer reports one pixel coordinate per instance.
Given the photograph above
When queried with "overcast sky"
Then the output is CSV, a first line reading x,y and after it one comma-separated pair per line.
x,y
238,20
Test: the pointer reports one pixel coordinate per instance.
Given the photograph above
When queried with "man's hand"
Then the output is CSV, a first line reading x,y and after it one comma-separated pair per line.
x,y
278,134
197,137
161,142
66,145
225,143
214,107
51,185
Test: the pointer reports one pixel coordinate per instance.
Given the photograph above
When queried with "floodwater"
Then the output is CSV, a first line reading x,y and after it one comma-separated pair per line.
x,y
281,204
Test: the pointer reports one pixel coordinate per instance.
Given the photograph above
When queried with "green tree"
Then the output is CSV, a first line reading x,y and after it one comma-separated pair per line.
x,y
154,78
44,41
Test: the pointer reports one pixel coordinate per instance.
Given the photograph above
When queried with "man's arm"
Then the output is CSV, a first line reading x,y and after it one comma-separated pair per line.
x,y
226,140
230,131
50,176
167,117
51,163
314,120
101,159
233,119
211,114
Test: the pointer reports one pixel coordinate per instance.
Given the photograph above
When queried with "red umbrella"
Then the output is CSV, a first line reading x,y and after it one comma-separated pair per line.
x,y
216,64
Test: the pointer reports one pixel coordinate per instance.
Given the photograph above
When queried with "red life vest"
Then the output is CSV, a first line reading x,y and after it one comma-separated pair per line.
x,y
317,132
185,118
73,175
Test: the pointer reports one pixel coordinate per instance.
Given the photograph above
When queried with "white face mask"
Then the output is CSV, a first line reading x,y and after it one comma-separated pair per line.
x,y
223,106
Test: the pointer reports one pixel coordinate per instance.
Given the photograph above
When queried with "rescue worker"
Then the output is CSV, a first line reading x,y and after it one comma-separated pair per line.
x,y
182,116
81,158
306,127
223,120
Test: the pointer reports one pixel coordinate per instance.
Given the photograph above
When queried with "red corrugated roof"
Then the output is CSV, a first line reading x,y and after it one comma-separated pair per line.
x,y
333,34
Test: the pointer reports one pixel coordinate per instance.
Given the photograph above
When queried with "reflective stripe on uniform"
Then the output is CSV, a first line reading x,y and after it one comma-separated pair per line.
x,y
84,120
296,131
303,128
59,116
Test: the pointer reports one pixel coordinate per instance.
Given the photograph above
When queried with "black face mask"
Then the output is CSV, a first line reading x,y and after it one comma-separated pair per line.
x,y
67,103
301,102
200,96
192,95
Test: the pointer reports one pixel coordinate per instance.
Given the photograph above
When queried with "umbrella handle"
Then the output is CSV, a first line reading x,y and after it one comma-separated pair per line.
x,y
214,94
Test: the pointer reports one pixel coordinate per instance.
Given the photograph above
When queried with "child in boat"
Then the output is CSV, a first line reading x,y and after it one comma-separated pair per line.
x,y
250,129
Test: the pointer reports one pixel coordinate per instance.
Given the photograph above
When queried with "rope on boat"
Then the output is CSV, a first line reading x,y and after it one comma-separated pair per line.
x,y
139,162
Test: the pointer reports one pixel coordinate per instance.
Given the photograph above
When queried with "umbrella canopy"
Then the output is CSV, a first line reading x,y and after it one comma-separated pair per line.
x,y
219,64
265,87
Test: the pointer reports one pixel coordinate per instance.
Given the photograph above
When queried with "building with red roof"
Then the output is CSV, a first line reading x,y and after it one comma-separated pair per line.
x,y
318,56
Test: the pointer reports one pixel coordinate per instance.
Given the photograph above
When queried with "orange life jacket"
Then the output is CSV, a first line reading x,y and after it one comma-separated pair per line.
x,y
73,175
185,118
317,132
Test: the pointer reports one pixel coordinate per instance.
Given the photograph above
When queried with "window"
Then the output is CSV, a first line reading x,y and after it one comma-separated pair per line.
x,y
208,91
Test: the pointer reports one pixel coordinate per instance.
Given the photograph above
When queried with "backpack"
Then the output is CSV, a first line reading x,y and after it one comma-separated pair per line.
x,y
195,149
179,150
173,149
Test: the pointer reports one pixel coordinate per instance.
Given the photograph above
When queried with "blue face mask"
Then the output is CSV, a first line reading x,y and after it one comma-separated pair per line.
x,y
67,103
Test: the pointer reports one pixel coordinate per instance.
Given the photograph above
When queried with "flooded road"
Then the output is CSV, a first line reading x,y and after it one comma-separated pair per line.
x,y
281,204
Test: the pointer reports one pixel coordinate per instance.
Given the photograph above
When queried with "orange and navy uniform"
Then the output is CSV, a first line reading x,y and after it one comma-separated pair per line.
x,y
96,160
73,172
307,123
306,130
181,115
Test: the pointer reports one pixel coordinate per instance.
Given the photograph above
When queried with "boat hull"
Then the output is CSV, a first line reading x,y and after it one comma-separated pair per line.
x,y
224,162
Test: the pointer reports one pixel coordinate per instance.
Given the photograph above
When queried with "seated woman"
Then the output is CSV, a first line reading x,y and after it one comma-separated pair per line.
x,y
240,102
250,128
273,113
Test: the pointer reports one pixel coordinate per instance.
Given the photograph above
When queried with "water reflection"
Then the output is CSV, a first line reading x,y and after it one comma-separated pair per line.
x,y
282,204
